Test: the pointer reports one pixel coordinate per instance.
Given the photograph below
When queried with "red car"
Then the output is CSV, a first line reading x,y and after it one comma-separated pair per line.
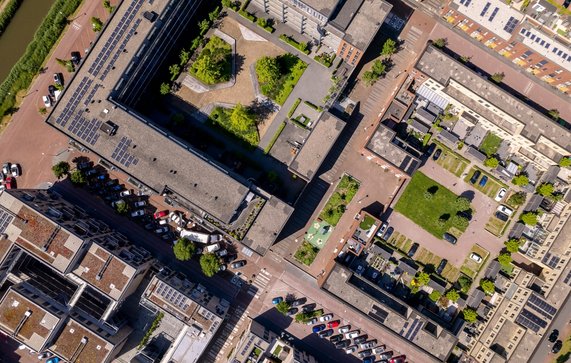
x,y
399,359
161,214
333,324
10,183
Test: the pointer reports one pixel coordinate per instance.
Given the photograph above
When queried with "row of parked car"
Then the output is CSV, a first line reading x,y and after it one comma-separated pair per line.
x,y
8,175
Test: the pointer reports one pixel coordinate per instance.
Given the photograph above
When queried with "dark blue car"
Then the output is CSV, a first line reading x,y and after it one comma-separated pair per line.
x,y
318,328
483,181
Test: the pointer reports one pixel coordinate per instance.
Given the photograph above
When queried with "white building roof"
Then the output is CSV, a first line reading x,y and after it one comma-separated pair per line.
x,y
494,15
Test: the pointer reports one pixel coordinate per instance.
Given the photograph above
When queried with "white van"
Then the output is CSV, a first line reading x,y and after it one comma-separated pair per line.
x,y
212,248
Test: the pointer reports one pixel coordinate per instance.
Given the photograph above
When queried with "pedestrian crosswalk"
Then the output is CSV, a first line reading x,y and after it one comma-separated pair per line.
x,y
247,252
259,284
217,351
75,25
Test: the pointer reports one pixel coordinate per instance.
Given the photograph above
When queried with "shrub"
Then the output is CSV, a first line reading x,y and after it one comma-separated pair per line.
x,y
469,315
149,332
492,162
60,169
498,77
108,7
460,222
306,253
487,286
420,280
77,177
213,65
565,162
452,295
8,13
434,295
302,47
465,282
283,307
462,203
325,58
184,249
122,208
96,24
440,42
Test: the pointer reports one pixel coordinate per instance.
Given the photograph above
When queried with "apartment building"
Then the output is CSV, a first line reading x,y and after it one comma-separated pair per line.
x,y
524,40
346,27
530,136
196,312
260,344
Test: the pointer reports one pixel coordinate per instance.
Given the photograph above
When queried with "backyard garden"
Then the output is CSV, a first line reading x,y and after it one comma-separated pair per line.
x,y
214,64
279,75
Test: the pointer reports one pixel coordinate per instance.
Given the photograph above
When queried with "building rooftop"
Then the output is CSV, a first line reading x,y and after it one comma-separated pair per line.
x,y
548,45
419,126
315,149
476,154
139,147
467,87
361,23
494,15
267,225
33,330
387,146
324,7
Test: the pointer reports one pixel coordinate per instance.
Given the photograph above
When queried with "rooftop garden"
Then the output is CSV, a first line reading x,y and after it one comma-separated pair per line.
x,y
433,207
214,64
491,144
279,75
238,121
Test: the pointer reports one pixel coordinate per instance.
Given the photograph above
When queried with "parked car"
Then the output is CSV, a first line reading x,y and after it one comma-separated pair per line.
x,y
352,334
75,58
45,355
292,311
238,264
277,300
326,333
430,149
138,213
125,193
475,257
380,349
176,217
368,344
326,317
58,79
51,90
212,248
437,154
441,266
501,194
399,359
140,203
412,250
502,216
557,347
450,238
483,181
361,339
553,336
382,230
318,328
15,169
333,324
475,177
343,344
299,302
10,183
311,321
160,214
388,233
370,359
344,329
351,349
507,211
222,252
161,230
336,338
53,360
47,101
2,177
6,168
365,353
309,307
386,355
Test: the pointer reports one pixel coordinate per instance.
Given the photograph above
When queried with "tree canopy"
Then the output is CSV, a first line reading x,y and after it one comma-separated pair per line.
x,y
487,286
213,64
77,177
545,189
389,48
520,180
460,222
60,169
241,119
505,258
184,249
268,71
529,218
565,162
517,198
512,245
491,162
210,264
452,295
469,315
283,307
96,24
434,295
462,203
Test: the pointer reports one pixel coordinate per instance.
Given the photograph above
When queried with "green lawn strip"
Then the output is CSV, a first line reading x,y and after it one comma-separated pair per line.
x,y
275,137
450,273
450,160
427,212
341,197
221,117
302,47
306,253
214,63
367,223
490,144
495,226
293,108
489,189
466,271
290,81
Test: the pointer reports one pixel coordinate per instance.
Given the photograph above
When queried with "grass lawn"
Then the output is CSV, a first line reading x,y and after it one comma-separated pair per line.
x,y
451,272
470,267
451,161
426,212
426,257
275,137
246,131
306,253
341,197
491,144
214,64
367,223
565,352
492,186
291,70
496,226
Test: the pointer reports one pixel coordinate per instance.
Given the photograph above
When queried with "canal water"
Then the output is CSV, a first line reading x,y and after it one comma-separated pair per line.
x,y
20,32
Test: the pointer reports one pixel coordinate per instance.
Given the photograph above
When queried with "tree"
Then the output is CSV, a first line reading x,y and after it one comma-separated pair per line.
x,y
370,77
204,25
122,208
565,162
554,114
512,245
184,57
465,58
174,70
165,88
108,7
545,189
517,198
460,222
422,279
283,307
42,110
227,3
469,315
462,203
214,14
529,218
96,24
465,282
505,258
492,162
440,42
498,77
434,295
452,295
379,68
196,42
487,286
60,169
184,249
520,180
268,71
241,118
210,264
389,48
77,177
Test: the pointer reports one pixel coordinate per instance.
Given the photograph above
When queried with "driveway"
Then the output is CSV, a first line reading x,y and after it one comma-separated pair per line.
x,y
483,207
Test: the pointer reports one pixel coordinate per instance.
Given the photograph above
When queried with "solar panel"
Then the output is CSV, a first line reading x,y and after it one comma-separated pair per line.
x,y
468,2
485,9
121,155
494,13
542,304
530,320
511,24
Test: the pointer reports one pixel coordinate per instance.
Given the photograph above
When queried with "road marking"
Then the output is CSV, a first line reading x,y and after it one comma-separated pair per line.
x,y
246,251
76,25
262,280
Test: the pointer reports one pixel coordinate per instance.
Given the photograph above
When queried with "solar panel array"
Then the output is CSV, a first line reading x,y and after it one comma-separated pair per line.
x,y
74,101
5,219
91,94
121,155
550,260
531,321
115,36
172,296
85,129
494,13
120,50
511,24
485,9
541,306
465,2
568,279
